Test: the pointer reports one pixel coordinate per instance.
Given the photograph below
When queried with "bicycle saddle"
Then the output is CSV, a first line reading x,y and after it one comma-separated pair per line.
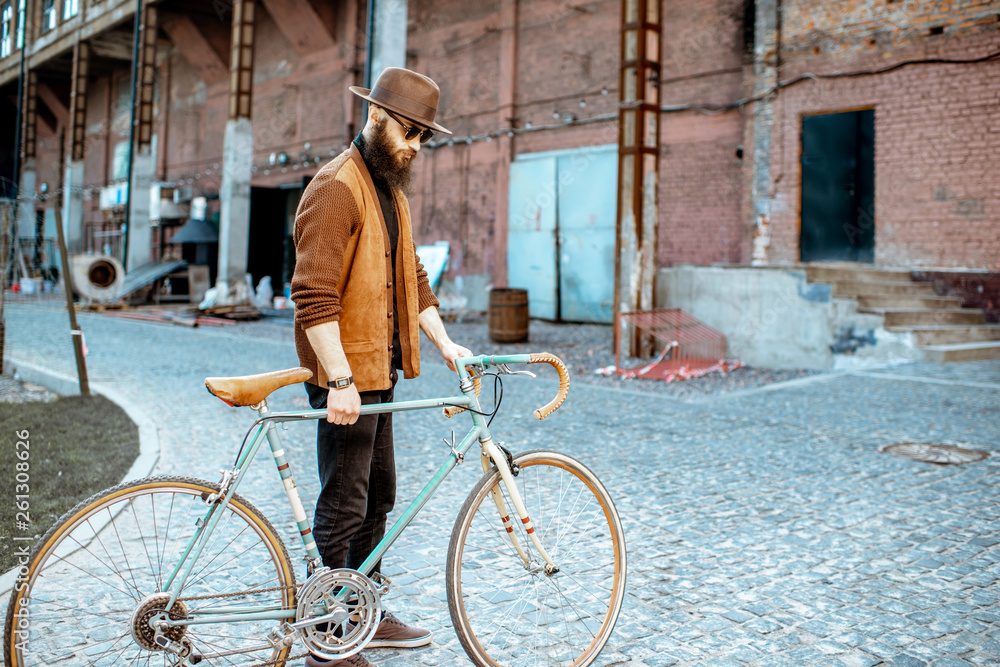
x,y
252,389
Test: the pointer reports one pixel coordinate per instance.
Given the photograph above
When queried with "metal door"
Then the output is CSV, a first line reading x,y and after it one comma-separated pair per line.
x,y
586,221
561,233
531,234
838,187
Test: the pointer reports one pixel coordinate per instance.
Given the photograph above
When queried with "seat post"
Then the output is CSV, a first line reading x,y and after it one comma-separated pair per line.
x,y
291,490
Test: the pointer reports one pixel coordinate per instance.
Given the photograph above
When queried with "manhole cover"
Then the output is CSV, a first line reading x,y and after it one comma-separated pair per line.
x,y
945,455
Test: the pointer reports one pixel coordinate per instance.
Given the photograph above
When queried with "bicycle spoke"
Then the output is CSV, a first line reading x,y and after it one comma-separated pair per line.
x,y
83,602
515,616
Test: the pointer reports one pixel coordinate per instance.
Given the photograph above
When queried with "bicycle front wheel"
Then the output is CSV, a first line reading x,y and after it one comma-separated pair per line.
x,y
91,585
510,613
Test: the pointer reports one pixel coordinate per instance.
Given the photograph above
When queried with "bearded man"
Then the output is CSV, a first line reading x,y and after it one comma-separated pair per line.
x,y
360,294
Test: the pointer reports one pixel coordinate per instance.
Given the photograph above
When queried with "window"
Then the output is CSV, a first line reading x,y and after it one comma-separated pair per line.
x,y
6,19
70,8
48,15
20,23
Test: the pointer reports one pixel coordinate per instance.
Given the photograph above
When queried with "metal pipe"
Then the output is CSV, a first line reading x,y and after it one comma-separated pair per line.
x,y
369,46
20,116
12,247
131,133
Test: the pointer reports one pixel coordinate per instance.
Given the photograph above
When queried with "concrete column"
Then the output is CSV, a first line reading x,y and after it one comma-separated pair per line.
x,y
389,44
234,218
73,206
26,200
139,234
767,41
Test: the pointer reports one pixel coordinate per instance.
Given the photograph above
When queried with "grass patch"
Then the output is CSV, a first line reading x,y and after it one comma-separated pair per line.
x,y
77,445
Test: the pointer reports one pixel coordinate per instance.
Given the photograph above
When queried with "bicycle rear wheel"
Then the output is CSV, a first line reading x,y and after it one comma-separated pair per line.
x,y
92,580
506,613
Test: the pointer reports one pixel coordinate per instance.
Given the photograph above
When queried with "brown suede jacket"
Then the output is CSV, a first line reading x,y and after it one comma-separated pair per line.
x,y
343,273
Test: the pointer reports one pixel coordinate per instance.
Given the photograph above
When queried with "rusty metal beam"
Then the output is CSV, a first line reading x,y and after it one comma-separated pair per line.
x,y
55,105
30,118
194,46
638,163
146,83
78,100
506,118
300,24
241,59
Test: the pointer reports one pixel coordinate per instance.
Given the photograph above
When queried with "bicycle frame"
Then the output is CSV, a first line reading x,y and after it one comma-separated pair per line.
x,y
265,429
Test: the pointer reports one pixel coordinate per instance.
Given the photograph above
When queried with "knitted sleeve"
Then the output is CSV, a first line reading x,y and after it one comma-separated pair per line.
x,y
327,215
425,297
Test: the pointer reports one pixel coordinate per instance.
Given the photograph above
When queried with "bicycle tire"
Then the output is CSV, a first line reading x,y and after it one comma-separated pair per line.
x,y
86,576
511,615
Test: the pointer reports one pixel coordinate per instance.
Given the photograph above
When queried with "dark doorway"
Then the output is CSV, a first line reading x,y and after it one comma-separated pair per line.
x,y
266,252
838,187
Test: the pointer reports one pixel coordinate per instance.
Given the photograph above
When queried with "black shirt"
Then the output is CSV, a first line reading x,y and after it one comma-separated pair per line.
x,y
388,206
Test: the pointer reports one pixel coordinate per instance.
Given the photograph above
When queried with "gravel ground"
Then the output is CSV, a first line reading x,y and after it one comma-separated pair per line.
x,y
584,347
13,390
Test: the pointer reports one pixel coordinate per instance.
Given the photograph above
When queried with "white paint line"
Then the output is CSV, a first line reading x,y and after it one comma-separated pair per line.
x,y
927,380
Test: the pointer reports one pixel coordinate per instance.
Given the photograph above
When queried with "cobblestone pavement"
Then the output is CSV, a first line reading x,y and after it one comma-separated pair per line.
x,y
765,525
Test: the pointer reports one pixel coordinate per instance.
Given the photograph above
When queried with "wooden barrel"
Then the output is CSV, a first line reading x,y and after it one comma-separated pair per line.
x,y
508,315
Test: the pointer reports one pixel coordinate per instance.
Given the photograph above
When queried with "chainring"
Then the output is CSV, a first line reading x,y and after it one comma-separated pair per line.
x,y
353,605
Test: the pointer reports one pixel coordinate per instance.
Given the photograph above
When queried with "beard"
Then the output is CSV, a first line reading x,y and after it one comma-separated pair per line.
x,y
386,163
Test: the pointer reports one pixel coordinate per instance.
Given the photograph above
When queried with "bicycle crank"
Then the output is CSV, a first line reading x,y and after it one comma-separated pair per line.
x,y
338,612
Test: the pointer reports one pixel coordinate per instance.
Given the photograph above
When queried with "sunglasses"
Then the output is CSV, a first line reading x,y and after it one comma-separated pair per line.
x,y
410,132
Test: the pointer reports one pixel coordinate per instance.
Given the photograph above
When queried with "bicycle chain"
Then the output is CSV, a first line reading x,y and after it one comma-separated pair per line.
x,y
237,593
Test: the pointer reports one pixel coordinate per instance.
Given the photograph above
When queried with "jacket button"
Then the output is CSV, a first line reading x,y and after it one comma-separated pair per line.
x,y
389,315
386,253
389,285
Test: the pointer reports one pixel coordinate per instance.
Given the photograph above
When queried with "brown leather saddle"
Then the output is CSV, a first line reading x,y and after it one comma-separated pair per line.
x,y
253,389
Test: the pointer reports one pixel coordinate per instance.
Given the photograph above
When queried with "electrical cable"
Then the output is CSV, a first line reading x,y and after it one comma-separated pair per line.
x,y
714,109
497,399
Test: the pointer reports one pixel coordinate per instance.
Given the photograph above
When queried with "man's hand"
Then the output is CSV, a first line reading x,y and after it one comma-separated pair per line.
x,y
343,406
451,351
431,324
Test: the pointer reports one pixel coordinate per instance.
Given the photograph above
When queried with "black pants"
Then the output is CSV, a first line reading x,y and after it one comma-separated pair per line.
x,y
357,474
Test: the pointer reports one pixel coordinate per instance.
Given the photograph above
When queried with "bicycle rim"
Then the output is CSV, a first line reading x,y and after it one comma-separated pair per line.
x,y
91,571
508,614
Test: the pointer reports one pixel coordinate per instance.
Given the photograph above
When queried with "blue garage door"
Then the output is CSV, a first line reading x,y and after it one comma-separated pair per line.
x,y
561,232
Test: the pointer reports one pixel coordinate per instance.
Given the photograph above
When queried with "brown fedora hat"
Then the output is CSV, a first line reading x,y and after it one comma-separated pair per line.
x,y
406,93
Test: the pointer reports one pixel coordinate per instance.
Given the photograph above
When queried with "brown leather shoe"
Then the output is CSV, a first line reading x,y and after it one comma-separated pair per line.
x,y
393,633
356,660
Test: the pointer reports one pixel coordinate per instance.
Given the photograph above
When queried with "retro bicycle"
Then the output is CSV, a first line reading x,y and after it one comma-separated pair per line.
x,y
180,571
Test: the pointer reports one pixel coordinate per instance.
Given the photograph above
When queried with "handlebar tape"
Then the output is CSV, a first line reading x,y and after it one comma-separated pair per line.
x,y
557,363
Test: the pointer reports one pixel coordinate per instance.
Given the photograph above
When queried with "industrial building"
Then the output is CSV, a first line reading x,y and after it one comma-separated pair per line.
x,y
607,155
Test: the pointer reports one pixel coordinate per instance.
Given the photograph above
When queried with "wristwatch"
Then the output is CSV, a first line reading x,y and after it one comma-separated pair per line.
x,y
341,383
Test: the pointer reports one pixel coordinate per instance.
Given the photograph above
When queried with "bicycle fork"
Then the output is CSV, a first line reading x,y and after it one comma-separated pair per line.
x,y
491,452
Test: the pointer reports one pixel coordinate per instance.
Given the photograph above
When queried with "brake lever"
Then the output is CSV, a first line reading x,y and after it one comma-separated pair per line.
x,y
504,369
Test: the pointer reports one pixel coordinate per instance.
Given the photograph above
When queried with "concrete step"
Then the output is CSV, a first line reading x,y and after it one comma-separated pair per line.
x,y
962,351
948,334
834,273
854,288
906,301
927,316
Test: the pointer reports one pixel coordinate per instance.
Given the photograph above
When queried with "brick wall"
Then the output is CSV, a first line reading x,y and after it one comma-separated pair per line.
x,y
937,194
700,168
937,199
